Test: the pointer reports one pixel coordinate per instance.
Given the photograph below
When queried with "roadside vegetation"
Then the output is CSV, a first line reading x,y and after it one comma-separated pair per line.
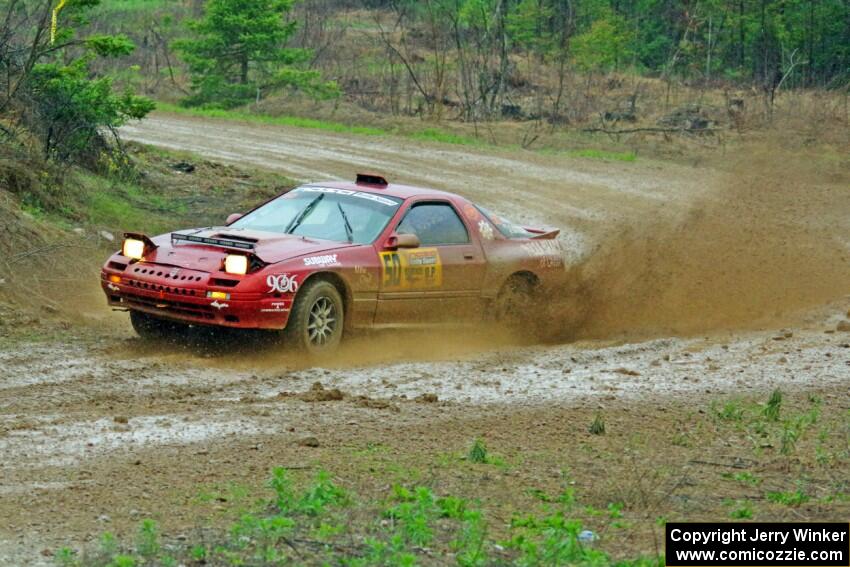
x,y
597,496
325,525
542,74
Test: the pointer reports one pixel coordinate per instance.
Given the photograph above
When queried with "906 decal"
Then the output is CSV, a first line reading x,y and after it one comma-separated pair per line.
x,y
282,283
411,269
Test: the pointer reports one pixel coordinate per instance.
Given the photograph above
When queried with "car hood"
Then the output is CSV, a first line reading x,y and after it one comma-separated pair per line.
x,y
270,247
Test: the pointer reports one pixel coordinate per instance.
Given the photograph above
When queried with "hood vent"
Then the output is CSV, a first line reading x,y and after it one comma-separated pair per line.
x,y
230,242
236,237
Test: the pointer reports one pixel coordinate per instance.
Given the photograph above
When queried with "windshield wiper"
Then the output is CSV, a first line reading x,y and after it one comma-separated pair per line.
x,y
305,212
349,232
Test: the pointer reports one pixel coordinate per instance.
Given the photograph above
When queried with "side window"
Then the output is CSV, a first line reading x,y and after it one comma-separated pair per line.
x,y
435,224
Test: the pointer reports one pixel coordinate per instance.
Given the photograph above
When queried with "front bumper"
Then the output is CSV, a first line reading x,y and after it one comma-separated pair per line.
x,y
185,299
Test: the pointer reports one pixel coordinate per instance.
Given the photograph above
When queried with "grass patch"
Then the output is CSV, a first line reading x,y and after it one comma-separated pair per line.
x,y
294,121
426,135
603,155
592,153
745,477
741,509
478,452
443,137
597,427
774,405
764,425
114,203
792,499
325,525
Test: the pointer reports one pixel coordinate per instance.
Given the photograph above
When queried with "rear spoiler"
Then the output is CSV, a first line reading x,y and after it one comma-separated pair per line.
x,y
543,234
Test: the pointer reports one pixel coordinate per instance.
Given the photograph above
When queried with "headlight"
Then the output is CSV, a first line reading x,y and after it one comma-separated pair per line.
x,y
133,248
236,264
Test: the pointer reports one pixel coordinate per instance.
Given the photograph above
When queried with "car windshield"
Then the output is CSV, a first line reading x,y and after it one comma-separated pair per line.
x,y
325,213
506,227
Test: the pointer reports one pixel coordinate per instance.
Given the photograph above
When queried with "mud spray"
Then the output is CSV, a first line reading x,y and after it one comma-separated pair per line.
x,y
759,249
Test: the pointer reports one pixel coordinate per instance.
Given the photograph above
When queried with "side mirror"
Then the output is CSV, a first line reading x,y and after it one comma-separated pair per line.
x,y
396,241
233,218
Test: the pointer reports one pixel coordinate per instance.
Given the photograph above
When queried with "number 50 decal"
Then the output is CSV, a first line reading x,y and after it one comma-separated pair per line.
x,y
391,269
411,269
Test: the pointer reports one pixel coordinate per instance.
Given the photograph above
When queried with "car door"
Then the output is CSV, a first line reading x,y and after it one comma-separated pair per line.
x,y
438,282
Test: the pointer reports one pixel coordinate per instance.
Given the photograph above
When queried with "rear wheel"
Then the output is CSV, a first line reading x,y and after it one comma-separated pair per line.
x,y
153,328
515,304
316,322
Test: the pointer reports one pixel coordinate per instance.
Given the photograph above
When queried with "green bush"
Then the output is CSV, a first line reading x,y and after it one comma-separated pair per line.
x,y
237,53
49,82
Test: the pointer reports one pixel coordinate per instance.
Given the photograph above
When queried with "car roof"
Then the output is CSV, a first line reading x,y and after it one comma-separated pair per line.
x,y
391,189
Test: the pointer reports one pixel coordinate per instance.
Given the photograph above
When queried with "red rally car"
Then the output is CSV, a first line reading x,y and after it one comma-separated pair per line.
x,y
327,258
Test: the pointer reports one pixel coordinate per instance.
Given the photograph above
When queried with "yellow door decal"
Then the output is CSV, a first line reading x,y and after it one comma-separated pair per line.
x,y
411,269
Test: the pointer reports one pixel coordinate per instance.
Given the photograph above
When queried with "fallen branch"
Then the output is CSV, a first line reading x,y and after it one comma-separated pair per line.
x,y
737,464
650,130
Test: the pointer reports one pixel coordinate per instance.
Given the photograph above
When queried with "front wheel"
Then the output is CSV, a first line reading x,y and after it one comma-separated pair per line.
x,y
316,322
152,328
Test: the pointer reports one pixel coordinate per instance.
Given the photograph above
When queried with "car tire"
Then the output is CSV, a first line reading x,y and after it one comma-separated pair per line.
x,y
515,303
152,328
317,319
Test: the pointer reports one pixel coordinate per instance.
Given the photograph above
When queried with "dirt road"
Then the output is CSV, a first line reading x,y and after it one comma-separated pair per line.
x,y
580,195
98,429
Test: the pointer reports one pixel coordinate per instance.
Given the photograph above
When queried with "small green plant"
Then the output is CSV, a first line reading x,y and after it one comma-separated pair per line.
x,y
597,427
745,477
322,493
198,554
65,557
615,510
478,452
148,540
731,410
452,507
743,510
793,429
823,456
774,405
123,561
414,515
326,532
792,499
108,545
282,486
470,545
680,439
